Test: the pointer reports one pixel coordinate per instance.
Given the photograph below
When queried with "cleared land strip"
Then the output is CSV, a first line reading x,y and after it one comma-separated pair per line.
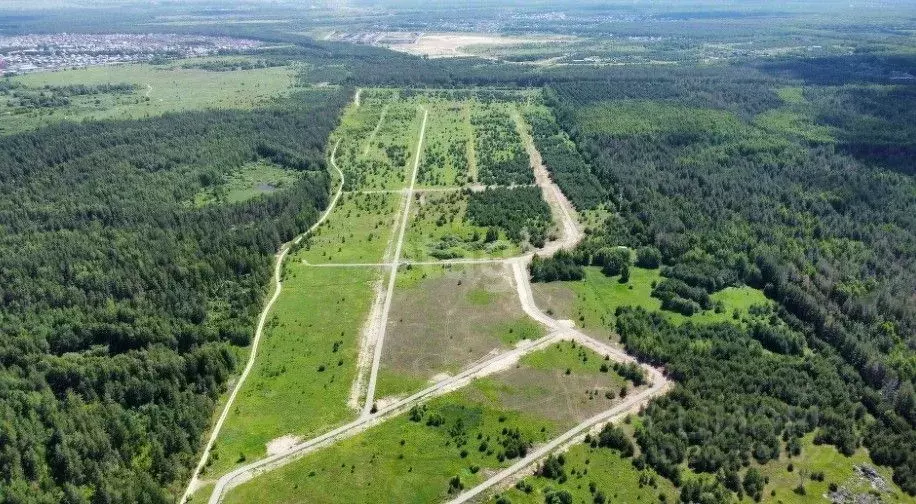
x,y
411,263
495,364
470,187
558,330
262,320
383,320
560,207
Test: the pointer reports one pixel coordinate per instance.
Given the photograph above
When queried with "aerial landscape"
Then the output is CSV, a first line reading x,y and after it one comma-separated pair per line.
x,y
458,252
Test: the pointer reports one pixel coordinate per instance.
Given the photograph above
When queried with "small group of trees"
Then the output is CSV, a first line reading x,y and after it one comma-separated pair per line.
x,y
679,297
519,211
561,266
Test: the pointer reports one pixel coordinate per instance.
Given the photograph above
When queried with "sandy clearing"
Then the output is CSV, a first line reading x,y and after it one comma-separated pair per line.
x,y
451,45
282,444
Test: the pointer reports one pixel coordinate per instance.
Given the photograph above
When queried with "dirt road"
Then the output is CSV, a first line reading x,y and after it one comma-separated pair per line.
x,y
389,292
557,330
262,319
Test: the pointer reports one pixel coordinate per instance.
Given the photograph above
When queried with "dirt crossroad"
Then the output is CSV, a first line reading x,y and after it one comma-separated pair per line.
x,y
570,235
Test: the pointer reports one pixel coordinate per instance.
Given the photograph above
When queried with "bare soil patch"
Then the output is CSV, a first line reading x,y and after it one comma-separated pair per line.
x,y
452,318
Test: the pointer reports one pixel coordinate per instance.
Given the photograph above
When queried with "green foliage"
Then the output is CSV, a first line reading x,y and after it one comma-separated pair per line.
x,y
811,394
501,160
824,229
560,266
648,257
121,299
519,211
613,437
567,167
753,484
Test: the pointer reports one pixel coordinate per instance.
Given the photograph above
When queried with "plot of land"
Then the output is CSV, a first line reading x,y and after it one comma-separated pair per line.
x,y
467,434
500,156
444,318
401,460
611,474
565,383
384,158
448,146
439,229
359,230
307,361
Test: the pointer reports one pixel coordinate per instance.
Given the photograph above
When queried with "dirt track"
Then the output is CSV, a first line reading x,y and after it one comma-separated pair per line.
x,y
570,234
262,319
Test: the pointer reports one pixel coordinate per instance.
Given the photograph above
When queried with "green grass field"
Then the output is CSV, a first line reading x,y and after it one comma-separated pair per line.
x,y
305,366
400,460
611,474
563,382
384,159
249,181
836,467
591,303
411,461
158,89
357,231
448,146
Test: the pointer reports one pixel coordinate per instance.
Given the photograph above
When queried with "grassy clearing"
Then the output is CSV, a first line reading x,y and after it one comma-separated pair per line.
x,y
158,89
439,229
522,328
836,468
249,181
791,94
611,474
385,160
563,382
400,460
358,230
202,494
794,124
444,319
566,355
305,366
403,460
591,303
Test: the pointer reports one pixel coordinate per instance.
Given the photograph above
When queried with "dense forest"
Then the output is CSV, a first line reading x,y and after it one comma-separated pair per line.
x,y
519,211
695,168
120,299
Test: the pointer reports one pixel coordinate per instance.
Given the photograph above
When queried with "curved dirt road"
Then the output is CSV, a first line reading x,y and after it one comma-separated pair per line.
x,y
262,319
558,330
